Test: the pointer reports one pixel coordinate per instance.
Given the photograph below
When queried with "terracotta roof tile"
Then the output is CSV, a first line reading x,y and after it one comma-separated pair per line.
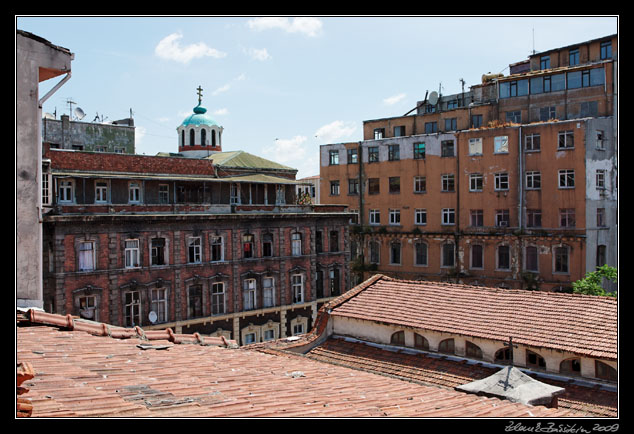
x,y
80,374
585,325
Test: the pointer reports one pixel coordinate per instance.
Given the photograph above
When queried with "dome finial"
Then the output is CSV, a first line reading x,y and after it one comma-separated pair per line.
x,y
200,94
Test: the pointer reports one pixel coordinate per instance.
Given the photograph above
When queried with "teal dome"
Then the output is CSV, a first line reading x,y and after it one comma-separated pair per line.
x,y
199,117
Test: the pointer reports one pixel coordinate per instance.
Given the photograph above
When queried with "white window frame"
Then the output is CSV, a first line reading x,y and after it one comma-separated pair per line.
x,y
296,244
533,180
476,182
501,145
158,303
132,253
65,191
475,146
214,244
375,217
89,310
218,306
249,289
134,192
448,216
132,309
194,249
297,285
420,184
268,291
101,191
502,181
566,178
164,193
448,183
395,217
600,179
86,257
420,217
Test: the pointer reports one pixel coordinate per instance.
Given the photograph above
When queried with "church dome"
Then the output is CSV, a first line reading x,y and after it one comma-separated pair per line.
x,y
199,118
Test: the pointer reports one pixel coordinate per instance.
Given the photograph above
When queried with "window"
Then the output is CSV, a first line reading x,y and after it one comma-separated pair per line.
x,y
101,192
421,342
393,153
395,253
398,338
319,243
379,133
604,371
573,57
544,62
191,137
334,241
477,218
534,360
157,251
472,350
375,217
601,139
217,249
566,178
476,121
297,285
88,307
532,142
501,181
420,184
601,221
352,156
447,148
86,256
502,218
477,256
567,218
531,259
234,194
65,191
566,139
193,250
334,157
158,304
547,113
373,186
375,252
164,196
600,179
203,137
448,256
446,346
451,124
296,244
334,188
420,216
134,192
533,180
195,301
448,216
395,217
557,82
431,127
514,117
132,309
561,259
394,184
447,183
249,338
46,198
420,254
419,151
132,253
503,356
353,186
268,292
504,258
217,298
570,367
606,50
267,245
335,284
501,145
373,154
249,294
475,182
534,218
320,284
475,146
268,335
399,131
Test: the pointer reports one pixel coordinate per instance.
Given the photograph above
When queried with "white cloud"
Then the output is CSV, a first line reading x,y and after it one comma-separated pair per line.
x,y
287,150
335,131
309,26
227,86
258,54
220,112
394,99
170,49
139,133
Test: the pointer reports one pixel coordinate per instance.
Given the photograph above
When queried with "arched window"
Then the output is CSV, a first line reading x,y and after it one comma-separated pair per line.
x,y
604,371
570,367
213,137
420,342
503,356
534,360
191,137
447,346
473,351
398,338
182,137
203,137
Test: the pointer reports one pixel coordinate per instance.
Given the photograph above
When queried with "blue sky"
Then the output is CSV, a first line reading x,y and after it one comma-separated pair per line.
x,y
282,86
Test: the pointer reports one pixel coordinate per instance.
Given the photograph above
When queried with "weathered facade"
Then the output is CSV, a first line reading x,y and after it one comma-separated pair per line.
x,y
511,184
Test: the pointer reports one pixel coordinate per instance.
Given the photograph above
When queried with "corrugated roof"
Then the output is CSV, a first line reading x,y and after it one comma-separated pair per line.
x,y
244,160
580,324
78,374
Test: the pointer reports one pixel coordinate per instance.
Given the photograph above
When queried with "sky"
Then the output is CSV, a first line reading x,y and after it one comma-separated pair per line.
x,y
282,86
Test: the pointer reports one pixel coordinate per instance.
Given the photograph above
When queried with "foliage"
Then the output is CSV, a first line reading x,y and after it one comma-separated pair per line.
x,y
591,284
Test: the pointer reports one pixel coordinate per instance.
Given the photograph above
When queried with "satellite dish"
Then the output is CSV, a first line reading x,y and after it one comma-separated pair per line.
x,y
79,113
433,97
152,316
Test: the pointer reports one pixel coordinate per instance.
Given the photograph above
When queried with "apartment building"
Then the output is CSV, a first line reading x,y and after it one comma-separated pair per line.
x,y
511,184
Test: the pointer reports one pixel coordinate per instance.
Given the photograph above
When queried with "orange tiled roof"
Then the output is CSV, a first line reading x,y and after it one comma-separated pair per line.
x,y
81,374
581,324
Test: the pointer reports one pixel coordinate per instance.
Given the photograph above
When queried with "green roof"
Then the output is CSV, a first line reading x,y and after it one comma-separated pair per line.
x,y
244,160
199,117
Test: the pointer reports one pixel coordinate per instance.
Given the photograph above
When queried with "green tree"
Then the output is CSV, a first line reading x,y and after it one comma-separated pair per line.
x,y
592,283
